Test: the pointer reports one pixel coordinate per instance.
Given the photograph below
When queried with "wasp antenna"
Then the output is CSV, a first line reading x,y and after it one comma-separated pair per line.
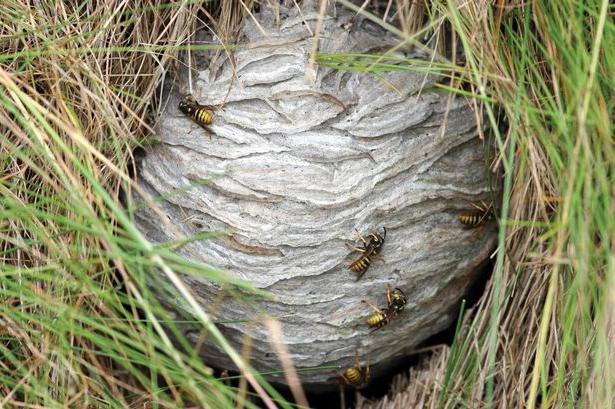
x,y
384,230
371,305
399,289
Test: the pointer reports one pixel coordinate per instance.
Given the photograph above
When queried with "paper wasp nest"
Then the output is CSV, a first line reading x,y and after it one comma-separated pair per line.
x,y
295,166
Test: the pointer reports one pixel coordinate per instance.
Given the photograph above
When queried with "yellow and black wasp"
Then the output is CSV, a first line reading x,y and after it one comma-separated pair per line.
x,y
396,301
357,376
482,212
370,251
201,114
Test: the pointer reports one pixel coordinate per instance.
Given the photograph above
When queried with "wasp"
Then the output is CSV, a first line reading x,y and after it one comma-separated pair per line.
x,y
371,250
552,202
201,114
357,376
396,301
481,213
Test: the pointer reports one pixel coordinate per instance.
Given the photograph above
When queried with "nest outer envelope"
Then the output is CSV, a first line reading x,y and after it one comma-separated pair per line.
x,y
294,167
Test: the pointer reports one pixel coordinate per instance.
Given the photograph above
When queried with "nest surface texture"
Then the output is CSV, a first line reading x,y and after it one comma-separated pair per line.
x,y
295,166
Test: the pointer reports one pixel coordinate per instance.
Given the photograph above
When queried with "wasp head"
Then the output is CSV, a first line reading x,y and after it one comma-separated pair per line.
x,y
185,106
377,239
398,300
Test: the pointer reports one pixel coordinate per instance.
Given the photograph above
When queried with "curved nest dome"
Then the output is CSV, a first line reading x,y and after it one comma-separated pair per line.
x,y
295,166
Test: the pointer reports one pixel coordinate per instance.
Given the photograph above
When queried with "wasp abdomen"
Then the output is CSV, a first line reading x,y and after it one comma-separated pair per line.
x,y
360,265
203,116
357,376
378,319
481,213
353,376
471,219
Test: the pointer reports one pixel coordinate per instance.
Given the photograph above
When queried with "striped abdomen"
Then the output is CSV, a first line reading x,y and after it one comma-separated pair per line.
x,y
360,265
203,116
482,212
354,377
474,219
378,319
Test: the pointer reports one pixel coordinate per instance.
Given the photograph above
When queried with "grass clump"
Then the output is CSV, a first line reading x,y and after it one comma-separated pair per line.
x,y
551,284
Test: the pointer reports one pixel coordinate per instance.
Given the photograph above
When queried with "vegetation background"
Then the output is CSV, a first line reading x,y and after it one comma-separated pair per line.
x,y
80,90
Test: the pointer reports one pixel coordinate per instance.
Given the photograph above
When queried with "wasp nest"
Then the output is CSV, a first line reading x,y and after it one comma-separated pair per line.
x,y
296,163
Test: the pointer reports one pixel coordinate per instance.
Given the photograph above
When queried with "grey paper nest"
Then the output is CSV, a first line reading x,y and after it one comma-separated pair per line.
x,y
295,167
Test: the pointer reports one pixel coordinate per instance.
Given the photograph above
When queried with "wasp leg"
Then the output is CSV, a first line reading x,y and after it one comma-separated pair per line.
x,y
353,248
210,133
487,215
478,206
210,107
360,237
389,299
378,310
484,217
483,206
